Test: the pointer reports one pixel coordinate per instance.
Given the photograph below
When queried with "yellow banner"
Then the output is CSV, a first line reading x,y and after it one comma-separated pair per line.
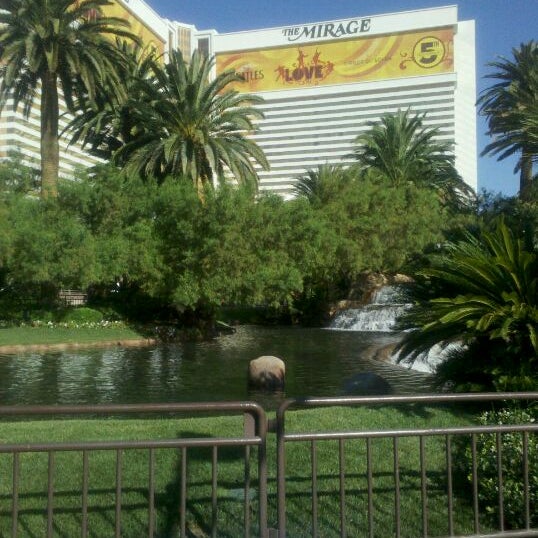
x,y
137,27
338,62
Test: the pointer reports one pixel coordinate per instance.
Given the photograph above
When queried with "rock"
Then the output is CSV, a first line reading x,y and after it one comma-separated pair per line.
x,y
385,353
224,328
399,278
344,304
367,384
267,372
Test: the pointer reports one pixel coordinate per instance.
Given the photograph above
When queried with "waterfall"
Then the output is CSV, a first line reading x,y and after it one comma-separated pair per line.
x,y
378,316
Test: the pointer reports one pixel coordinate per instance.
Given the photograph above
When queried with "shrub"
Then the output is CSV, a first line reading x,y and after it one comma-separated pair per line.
x,y
82,314
481,291
512,467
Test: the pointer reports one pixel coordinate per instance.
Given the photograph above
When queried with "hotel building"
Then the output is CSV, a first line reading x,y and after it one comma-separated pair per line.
x,y
323,83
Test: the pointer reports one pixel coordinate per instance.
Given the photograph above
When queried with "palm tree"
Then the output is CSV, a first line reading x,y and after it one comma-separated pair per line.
x,y
194,127
481,292
510,106
113,119
53,45
317,184
401,150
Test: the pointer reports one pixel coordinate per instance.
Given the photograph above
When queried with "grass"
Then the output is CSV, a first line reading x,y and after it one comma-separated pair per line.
x,y
230,476
17,336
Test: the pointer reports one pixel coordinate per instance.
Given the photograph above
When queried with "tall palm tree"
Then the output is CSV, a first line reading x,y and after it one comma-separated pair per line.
x,y
401,150
482,292
510,105
194,127
53,45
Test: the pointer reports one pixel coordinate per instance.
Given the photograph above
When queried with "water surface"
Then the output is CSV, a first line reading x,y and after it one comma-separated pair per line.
x,y
317,361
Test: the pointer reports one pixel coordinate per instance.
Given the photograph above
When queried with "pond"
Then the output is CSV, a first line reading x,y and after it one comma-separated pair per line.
x,y
318,361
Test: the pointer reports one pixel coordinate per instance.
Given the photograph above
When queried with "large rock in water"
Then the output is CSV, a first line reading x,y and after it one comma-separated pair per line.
x,y
367,384
267,372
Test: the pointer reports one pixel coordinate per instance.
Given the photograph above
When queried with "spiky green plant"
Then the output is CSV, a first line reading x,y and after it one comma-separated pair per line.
x,y
483,295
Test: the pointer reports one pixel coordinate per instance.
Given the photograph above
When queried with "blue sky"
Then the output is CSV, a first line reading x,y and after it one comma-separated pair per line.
x,y
500,26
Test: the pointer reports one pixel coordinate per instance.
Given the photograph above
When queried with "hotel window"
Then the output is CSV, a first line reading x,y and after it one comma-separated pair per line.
x,y
203,46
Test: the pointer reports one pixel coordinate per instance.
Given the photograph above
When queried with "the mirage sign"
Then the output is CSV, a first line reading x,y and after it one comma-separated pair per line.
x,y
327,30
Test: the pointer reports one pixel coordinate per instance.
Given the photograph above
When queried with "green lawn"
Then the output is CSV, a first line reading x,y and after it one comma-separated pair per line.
x,y
231,471
17,336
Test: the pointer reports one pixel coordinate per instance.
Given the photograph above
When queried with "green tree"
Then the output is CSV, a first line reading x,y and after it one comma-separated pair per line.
x,y
520,216
195,128
48,247
230,249
371,226
482,293
511,109
17,175
119,215
401,150
53,46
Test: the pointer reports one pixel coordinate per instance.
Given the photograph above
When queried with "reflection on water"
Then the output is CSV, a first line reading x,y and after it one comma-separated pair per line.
x,y
317,364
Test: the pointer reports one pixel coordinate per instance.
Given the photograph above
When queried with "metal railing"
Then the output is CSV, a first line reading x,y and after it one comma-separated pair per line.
x,y
111,502
390,477
398,480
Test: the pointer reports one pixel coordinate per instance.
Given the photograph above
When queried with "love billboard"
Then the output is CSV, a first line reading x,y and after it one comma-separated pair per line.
x,y
407,54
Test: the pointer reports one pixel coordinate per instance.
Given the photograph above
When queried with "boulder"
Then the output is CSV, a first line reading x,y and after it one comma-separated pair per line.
x,y
385,353
399,278
267,372
367,384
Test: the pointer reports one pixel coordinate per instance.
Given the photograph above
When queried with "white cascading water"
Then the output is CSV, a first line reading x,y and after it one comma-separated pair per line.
x,y
378,316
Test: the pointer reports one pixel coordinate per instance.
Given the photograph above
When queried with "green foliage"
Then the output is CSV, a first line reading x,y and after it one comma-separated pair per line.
x,y
17,175
119,215
520,216
367,225
512,468
160,249
378,227
483,293
229,249
47,245
82,314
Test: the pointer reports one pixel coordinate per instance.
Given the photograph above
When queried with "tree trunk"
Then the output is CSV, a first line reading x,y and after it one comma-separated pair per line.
x,y
50,147
525,177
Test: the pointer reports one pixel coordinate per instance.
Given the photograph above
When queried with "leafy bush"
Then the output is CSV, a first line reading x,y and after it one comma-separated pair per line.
x,y
512,467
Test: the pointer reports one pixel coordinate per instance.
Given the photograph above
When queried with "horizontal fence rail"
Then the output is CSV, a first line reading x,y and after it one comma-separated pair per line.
x,y
134,487
406,481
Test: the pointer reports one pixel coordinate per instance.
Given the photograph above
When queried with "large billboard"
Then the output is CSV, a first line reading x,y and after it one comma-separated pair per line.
x,y
363,59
